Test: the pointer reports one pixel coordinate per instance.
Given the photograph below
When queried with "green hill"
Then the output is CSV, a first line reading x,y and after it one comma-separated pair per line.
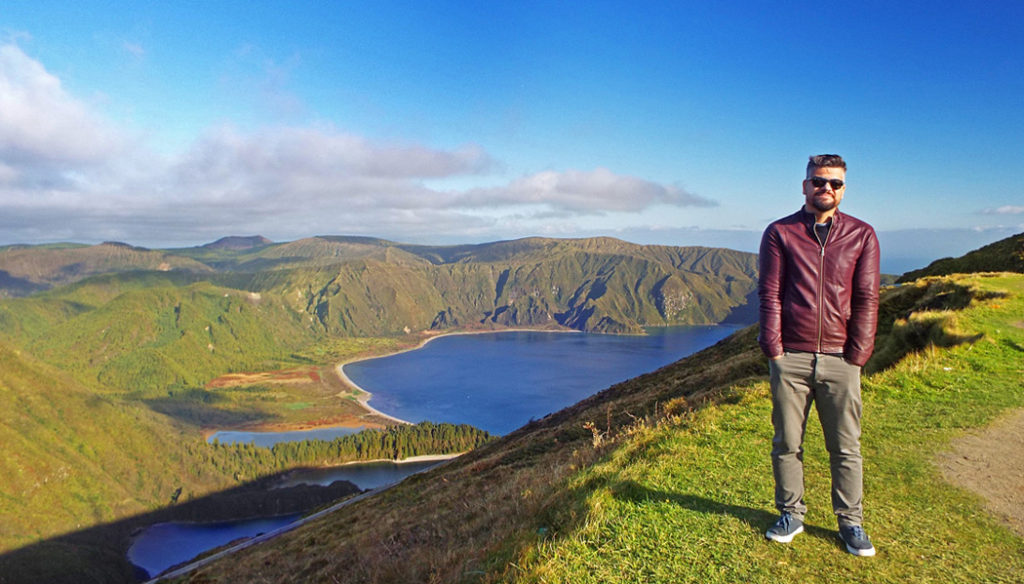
x,y
363,287
73,458
666,477
158,336
1005,255
604,292
25,269
366,286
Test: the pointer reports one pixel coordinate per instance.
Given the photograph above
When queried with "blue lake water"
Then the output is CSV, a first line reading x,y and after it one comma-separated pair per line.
x,y
160,546
168,544
500,381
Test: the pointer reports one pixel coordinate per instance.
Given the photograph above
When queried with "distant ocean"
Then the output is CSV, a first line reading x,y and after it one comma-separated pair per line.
x,y
500,381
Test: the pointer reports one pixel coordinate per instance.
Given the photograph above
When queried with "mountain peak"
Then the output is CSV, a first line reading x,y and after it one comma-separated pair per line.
x,y
237,242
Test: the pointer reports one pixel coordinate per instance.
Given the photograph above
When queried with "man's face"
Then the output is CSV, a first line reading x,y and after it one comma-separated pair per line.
x,y
825,197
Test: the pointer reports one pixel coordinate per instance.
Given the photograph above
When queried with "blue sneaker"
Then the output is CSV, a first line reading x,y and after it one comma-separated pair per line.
x,y
785,529
856,540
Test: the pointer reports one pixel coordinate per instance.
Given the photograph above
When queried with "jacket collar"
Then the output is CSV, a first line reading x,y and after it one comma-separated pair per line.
x,y
808,218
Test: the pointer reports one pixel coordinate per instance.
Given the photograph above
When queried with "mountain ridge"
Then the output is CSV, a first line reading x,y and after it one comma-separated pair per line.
x,y
594,284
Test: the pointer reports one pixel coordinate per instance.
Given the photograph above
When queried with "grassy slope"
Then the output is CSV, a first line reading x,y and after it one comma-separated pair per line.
x,y
82,470
148,333
71,458
637,484
688,501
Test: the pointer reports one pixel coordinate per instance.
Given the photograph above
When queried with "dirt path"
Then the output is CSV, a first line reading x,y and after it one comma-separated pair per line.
x,y
990,462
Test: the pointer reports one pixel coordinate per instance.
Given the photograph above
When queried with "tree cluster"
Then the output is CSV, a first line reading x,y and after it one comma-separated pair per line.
x,y
394,443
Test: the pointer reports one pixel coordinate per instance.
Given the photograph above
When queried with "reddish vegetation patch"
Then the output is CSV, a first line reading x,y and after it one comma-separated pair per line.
x,y
282,376
308,385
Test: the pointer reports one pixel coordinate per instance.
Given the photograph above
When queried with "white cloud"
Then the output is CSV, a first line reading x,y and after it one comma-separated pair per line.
x,y
289,166
596,191
1004,210
68,173
40,123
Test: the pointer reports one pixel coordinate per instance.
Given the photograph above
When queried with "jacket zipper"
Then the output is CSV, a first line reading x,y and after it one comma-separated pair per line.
x,y
821,291
821,278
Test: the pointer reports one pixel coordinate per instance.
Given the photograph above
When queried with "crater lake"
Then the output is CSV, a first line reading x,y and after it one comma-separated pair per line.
x,y
500,381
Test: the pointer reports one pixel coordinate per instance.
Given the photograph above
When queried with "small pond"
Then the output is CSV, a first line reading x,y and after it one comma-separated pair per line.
x,y
164,545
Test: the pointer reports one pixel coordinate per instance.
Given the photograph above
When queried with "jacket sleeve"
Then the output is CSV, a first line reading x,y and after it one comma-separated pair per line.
x,y
771,269
860,330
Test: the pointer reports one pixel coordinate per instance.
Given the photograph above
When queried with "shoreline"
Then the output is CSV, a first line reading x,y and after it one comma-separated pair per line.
x,y
417,458
362,395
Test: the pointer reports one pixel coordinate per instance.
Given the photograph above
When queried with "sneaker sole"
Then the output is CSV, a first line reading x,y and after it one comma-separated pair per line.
x,y
861,553
785,538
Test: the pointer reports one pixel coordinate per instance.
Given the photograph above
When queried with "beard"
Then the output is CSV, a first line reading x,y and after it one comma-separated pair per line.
x,y
824,204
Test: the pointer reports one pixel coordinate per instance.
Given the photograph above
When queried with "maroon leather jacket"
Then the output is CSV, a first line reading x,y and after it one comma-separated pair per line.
x,y
819,298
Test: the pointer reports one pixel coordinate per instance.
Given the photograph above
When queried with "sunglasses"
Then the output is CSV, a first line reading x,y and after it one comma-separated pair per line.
x,y
819,182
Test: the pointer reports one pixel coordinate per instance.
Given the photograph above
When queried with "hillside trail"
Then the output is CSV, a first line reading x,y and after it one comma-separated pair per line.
x,y
990,462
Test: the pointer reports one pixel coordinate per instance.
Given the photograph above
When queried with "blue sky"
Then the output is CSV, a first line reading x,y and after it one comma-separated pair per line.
x,y
175,123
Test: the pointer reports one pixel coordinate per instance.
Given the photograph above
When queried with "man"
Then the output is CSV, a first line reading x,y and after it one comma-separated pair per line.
x,y
818,286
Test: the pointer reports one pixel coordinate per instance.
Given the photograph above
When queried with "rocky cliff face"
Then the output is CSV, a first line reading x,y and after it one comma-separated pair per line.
x,y
617,290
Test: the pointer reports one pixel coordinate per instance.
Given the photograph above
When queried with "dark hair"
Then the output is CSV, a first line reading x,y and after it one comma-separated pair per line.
x,y
825,161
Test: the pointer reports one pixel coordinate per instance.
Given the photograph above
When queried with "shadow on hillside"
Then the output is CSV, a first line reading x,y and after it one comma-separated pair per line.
x,y
13,286
757,519
99,553
915,316
196,409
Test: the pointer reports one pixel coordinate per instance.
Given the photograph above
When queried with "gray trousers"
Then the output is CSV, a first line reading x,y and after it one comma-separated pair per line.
x,y
833,385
